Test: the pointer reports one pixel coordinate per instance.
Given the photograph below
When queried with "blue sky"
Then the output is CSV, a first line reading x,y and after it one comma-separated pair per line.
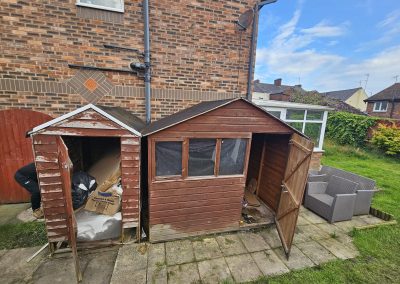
x,y
330,44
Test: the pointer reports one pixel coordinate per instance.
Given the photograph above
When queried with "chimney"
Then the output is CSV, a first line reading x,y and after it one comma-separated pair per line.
x,y
278,82
257,81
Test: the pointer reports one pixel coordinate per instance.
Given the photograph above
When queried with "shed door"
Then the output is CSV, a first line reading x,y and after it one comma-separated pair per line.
x,y
66,169
293,185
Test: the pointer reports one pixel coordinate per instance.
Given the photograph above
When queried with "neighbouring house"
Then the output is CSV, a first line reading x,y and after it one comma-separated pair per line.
x,y
386,103
354,97
275,91
59,55
308,119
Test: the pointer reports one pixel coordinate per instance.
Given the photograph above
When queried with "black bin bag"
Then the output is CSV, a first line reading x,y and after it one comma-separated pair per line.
x,y
82,185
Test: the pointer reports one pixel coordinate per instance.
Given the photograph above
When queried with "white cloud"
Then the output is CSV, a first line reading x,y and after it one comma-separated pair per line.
x,y
290,55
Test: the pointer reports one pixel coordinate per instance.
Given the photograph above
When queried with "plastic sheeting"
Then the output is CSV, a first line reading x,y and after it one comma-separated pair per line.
x,y
201,157
82,185
169,158
94,227
233,152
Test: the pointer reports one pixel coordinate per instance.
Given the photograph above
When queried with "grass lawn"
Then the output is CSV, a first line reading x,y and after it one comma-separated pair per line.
x,y
22,235
379,260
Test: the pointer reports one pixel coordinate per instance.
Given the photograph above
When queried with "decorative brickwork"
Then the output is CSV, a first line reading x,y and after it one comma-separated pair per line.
x,y
198,53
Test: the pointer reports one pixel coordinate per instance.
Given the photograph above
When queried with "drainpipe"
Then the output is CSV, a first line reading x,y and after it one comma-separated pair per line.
x,y
256,9
147,70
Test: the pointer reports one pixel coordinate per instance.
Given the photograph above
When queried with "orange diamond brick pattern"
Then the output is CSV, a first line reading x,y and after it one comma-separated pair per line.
x,y
91,84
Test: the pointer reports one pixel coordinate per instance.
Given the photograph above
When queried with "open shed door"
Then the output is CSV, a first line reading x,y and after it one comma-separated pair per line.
x,y
293,185
66,170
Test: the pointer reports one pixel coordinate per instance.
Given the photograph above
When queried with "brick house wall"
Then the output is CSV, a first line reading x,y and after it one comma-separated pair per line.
x,y
198,53
393,110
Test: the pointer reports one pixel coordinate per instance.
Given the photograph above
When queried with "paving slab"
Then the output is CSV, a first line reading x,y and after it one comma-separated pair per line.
x,y
371,220
302,221
214,271
343,238
297,259
156,267
15,269
231,244
317,253
271,236
253,241
315,233
179,252
269,263
357,221
183,273
131,264
9,212
243,268
206,248
301,235
345,226
329,228
338,249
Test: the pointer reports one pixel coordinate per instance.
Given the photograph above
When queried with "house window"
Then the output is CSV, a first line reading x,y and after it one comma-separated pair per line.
x,y
111,5
202,157
380,106
169,158
233,153
275,113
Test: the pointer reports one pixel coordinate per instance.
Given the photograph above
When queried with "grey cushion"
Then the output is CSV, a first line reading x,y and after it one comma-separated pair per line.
x,y
325,198
339,185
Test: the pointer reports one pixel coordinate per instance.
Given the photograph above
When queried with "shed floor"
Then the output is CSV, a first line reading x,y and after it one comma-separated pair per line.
x,y
259,216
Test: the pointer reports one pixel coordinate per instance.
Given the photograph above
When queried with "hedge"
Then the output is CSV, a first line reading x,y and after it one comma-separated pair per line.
x,y
348,128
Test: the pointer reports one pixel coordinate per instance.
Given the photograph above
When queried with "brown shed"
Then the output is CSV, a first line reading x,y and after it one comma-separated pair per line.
x,y
89,132
200,161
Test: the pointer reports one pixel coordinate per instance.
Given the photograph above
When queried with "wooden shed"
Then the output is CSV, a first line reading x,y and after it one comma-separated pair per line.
x,y
201,159
89,132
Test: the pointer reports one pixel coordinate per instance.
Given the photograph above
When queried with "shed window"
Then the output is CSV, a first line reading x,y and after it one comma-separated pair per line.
x,y
233,153
202,157
380,106
111,5
169,158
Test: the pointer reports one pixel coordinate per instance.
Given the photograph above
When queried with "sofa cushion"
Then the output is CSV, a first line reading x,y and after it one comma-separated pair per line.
x,y
322,197
339,185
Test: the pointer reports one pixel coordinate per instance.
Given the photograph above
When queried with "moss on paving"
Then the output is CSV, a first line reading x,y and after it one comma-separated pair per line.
x,y
379,247
22,235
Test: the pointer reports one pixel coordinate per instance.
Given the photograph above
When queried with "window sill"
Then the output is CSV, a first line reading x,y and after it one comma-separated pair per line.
x,y
172,179
379,111
100,8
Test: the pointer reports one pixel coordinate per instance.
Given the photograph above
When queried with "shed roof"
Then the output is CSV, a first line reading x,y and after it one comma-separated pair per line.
x,y
200,109
342,95
390,93
120,116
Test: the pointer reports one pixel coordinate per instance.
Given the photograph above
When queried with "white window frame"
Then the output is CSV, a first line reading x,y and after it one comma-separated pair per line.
x,y
304,121
380,109
80,3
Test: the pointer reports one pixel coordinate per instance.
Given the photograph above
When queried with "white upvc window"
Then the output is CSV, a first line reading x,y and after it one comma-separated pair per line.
x,y
310,122
380,106
110,5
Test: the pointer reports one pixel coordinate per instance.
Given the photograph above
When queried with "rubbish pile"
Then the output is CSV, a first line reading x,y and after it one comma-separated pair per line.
x,y
96,198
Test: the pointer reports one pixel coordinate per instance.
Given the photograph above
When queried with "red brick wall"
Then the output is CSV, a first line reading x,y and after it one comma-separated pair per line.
x,y
198,53
395,113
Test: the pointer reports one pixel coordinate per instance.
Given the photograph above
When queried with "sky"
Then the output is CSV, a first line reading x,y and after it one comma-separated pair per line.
x,y
329,45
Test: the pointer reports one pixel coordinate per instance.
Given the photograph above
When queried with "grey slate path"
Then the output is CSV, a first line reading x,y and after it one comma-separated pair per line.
x,y
271,237
243,268
253,242
338,249
183,273
214,271
317,253
231,244
297,259
156,264
179,252
269,263
206,248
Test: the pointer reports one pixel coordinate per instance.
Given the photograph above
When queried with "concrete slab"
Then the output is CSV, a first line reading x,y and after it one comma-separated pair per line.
x,y
302,221
231,244
206,248
315,233
131,264
269,263
156,264
338,249
243,268
357,221
183,273
371,220
253,241
317,253
15,269
214,271
301,235
179,252
297,259
329,229
312,217
9,212
345,226
271,236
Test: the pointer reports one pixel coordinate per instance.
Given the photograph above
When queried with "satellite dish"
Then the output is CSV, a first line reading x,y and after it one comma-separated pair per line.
x,y
245,19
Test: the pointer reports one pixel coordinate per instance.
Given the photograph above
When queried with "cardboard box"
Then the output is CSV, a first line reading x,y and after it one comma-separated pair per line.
x,y
107,203
106,171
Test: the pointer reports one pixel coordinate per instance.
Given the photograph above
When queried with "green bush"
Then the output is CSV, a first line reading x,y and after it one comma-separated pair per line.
x,y
387,138
348,128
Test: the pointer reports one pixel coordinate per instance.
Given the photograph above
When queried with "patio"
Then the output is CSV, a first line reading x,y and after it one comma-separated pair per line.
x,y
235,257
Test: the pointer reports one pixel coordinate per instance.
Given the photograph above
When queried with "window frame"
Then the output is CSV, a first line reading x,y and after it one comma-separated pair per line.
x,y
376,109
94,6
185,158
